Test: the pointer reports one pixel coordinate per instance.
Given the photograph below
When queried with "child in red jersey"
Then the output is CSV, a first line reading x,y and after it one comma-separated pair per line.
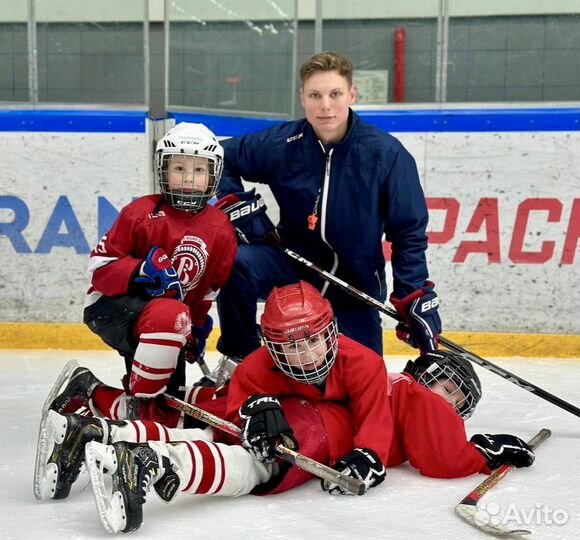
x,y
430,402
155,273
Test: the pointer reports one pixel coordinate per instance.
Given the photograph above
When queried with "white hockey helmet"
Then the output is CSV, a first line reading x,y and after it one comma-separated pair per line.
x,y
188,166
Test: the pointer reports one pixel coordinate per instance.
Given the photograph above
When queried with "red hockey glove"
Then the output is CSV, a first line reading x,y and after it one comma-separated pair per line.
x,y
158,275
422,324
361,463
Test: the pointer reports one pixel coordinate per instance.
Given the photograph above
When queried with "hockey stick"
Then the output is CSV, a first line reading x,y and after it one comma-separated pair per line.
x,y
467,508
353,485
494,368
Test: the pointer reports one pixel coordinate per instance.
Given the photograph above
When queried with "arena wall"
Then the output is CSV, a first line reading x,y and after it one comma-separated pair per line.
x,y
503,189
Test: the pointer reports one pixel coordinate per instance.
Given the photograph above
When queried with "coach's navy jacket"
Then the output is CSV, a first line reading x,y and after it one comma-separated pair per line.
x,y
360,188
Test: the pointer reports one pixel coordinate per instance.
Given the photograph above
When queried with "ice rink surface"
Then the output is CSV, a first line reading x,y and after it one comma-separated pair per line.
x,y
544,498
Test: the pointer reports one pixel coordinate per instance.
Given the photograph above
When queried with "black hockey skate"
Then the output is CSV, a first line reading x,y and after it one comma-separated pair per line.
x,y
61,450
134,468
72,391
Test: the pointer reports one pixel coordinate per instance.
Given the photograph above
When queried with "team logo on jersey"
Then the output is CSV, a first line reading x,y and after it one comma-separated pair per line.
x,y
190,261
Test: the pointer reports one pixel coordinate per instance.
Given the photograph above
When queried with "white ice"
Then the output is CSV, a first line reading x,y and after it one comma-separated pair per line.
x,y
407,506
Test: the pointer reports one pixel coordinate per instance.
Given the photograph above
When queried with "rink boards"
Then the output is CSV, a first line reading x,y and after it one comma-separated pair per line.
x,y
503,195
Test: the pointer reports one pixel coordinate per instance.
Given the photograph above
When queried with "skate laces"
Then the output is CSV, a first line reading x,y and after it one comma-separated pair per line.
x,y
151,472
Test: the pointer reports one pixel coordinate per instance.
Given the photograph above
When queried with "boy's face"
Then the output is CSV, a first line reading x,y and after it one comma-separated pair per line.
x,y
307,354
449,391
188,174
326,98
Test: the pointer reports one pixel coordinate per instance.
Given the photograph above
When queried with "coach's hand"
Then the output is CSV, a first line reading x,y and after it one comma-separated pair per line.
x,y
422,324
247,212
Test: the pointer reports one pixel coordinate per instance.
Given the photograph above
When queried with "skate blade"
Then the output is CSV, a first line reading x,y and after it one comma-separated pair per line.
x,y
51,432
59,384
101,460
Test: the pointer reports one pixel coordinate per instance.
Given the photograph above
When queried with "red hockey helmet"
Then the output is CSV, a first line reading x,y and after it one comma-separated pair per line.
x,y
300,331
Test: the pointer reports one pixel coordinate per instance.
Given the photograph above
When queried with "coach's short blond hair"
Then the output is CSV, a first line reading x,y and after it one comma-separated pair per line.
x,y
327,61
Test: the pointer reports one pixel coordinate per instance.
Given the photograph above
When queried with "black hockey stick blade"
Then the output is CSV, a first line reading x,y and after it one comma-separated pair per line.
x,y
494,368
352,485
467,509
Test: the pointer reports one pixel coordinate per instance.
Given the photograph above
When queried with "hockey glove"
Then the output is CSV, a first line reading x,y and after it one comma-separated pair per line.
x,y
422,324
264,426
247,212
504,450
195,347
361,463
158,275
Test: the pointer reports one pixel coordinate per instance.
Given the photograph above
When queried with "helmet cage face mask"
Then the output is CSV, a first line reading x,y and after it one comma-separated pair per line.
x,y
179,175
188,166
445,371
306,357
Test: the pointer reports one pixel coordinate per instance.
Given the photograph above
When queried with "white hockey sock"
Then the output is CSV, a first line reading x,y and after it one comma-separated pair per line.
x,y
154,362
138,432
208,468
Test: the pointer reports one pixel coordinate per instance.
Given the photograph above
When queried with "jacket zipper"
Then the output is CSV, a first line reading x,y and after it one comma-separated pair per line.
x,y
323,205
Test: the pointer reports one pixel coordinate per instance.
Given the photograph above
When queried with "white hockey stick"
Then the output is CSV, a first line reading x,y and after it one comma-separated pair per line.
x,y
352,485
467,509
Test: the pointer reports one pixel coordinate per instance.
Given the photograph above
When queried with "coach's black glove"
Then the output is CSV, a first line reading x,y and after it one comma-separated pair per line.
x,y
361,463
264,426
422,324
247,212
503,450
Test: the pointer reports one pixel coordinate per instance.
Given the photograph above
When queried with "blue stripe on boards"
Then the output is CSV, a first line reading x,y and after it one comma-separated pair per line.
x,y
230,126
76,121
418,120
473,120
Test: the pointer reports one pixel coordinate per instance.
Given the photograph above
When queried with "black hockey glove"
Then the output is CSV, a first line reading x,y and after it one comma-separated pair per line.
x,y
158,276
422,324
264,426
247,212
504,450
361,463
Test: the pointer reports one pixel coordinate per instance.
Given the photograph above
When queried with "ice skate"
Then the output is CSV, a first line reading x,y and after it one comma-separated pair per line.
x,y
72,390
222,373
133,468
60,451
